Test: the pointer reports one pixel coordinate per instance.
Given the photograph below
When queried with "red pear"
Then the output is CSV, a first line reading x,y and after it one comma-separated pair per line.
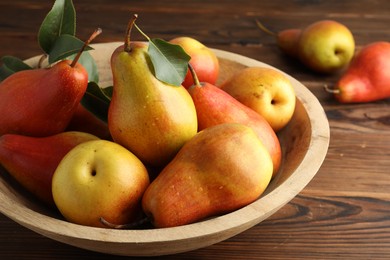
x,y
367,78
41,102
215,106
287,40
31,161
221,169
203,60
85,121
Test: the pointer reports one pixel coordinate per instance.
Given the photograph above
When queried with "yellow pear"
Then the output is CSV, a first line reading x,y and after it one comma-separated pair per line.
x,y
147,116
100,180
265,90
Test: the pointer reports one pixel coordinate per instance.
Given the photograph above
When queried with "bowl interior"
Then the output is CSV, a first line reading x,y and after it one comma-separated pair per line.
x,y
304,143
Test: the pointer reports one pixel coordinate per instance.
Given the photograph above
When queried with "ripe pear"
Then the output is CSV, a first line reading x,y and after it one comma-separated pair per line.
x,y
100,183
222,169
32,161
41,102
215,106
287,41
147,116
367,78
324,46
265,90
85,121
203,60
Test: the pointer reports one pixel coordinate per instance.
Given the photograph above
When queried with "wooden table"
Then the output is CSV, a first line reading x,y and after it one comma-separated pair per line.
x,y
344,213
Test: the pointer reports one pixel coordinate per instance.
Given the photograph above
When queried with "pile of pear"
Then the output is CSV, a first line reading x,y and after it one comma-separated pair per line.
x,y
328,47
170,155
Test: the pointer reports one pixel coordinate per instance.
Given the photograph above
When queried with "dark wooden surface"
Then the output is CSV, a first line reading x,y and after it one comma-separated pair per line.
x,y
344,213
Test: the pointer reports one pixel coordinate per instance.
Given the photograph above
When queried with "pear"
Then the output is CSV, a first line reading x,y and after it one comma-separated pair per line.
x,y
265,90
32,161
221,169
203,60
147,116
287,40
215,106
100,183
367,78
85,121
41,102
324,46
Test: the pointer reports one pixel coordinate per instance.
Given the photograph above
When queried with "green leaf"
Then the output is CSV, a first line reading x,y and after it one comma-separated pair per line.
x,y
96,101
65,46
60,20
107,91
14,63
170,61
11,65
5,72
89,64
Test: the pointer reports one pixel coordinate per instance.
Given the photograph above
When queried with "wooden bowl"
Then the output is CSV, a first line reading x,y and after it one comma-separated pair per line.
x,y
304,141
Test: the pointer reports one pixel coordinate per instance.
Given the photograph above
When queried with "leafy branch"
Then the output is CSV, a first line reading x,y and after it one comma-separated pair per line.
x,y
56,38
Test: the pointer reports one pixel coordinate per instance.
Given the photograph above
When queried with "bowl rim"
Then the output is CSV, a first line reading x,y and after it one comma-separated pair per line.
x,y
230,224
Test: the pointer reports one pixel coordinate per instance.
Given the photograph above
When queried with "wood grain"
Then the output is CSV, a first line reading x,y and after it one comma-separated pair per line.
x,y
343,213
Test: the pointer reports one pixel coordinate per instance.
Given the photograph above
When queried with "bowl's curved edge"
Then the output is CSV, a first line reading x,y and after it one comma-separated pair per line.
x,y
202,234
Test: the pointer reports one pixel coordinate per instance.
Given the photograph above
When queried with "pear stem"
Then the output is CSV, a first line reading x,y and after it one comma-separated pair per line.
x,y
127,46
86,43
124,226
331,90
264,29
194,76
41,60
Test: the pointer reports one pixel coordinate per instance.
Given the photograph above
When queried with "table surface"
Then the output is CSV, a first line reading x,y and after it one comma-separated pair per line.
x,y
343,213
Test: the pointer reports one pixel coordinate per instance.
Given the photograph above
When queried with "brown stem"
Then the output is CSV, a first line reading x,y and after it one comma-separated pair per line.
x,y
331,90
124,226
194,76
127,46
41,60
264,29
86,43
